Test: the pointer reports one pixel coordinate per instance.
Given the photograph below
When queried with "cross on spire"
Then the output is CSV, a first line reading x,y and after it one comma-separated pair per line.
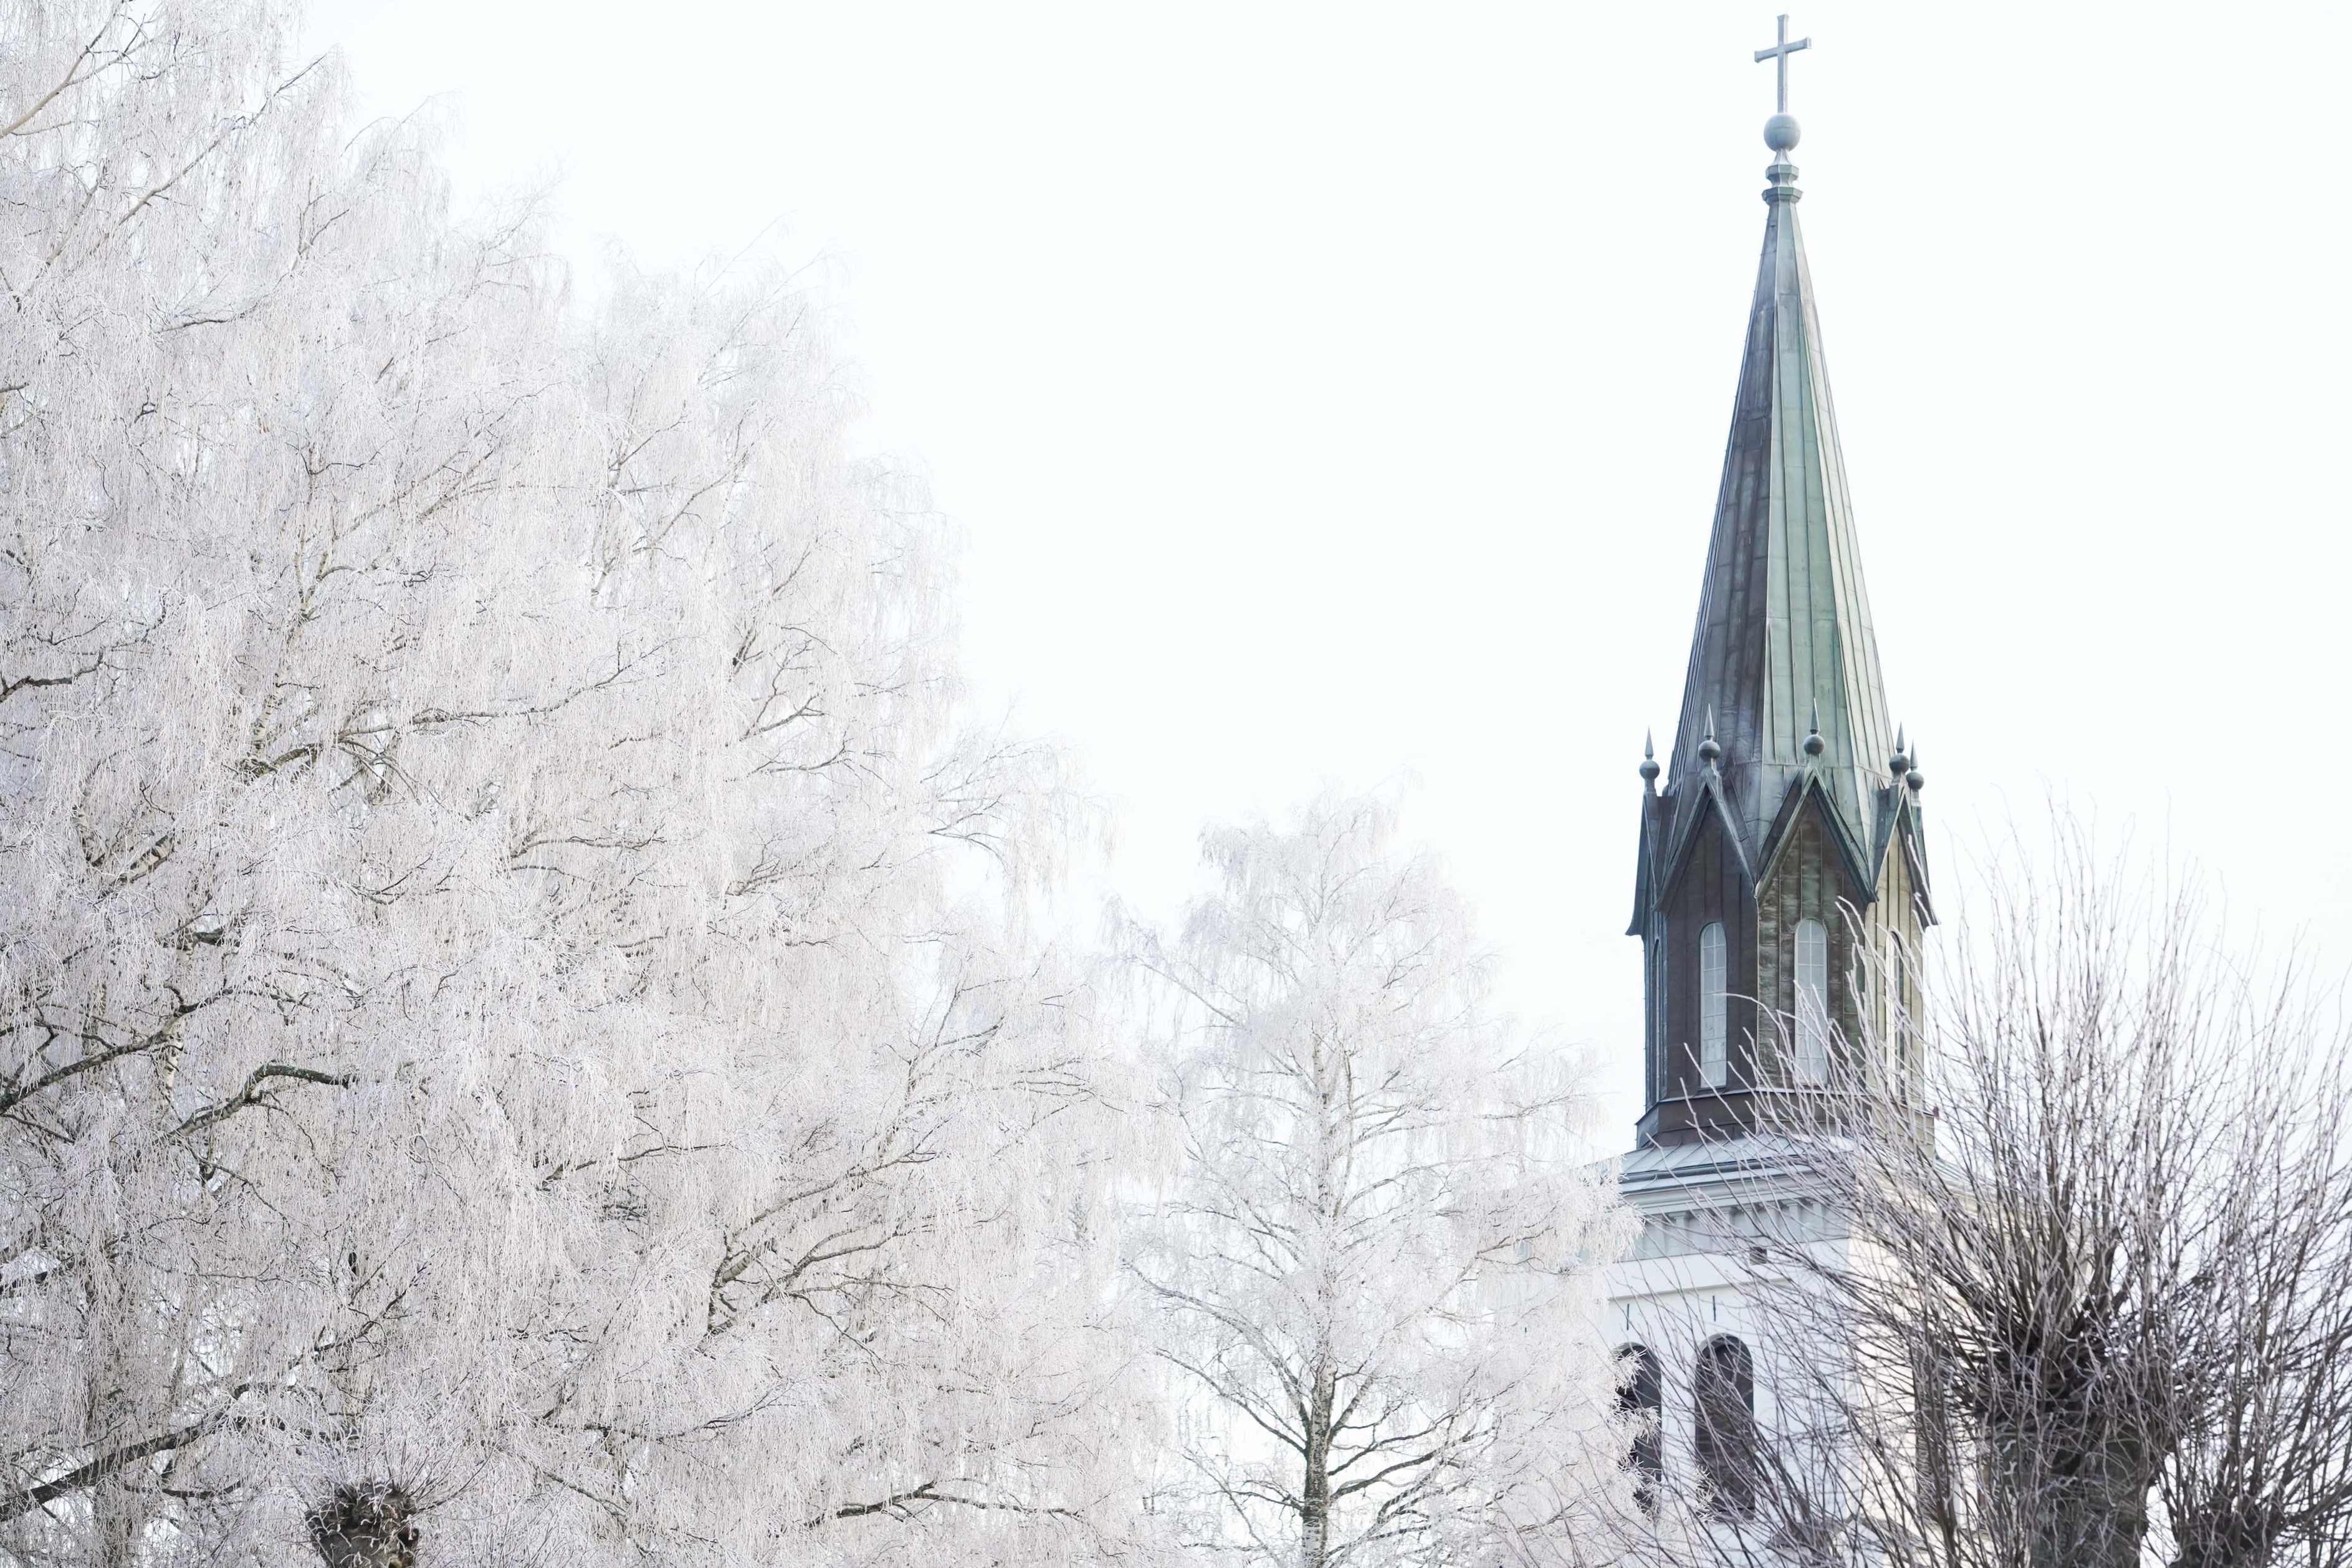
x,y
1779,55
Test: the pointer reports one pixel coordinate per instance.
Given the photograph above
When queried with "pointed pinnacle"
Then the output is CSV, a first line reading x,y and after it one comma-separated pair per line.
x,y
1814,744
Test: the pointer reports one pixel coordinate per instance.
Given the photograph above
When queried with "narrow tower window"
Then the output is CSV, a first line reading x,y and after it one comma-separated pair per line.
x,y
1640,1399
1713,986
1902,989
1812,1001
1898,1055
1662,1069
1724,1386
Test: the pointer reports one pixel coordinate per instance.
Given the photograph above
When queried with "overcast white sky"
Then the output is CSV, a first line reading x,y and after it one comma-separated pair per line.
x,y
1337,391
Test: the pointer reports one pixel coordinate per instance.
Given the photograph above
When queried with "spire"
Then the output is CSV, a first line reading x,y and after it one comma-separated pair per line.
x,y
1787,838
1783,664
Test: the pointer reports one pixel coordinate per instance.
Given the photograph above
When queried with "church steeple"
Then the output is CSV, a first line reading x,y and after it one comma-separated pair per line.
x,y
1782,884
1784,637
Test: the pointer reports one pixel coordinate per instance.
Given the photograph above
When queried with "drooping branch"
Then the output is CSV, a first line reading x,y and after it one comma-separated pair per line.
x,y
255,1092
92,1472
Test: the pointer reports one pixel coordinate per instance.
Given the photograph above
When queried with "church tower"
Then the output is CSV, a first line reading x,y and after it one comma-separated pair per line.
x,y
1781,887
1780,896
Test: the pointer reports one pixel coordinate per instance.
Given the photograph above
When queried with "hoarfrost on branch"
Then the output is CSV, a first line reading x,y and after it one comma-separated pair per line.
x,y
491,1002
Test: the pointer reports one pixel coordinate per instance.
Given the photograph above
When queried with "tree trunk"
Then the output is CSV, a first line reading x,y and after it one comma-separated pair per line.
x,y
365,1526
2094,1515
1315,1491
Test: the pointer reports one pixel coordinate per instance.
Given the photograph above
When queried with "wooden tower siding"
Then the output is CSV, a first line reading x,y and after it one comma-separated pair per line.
x,y
1808,884
1713,888
1900,910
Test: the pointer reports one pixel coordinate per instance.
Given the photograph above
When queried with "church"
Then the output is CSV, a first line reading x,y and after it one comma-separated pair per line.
x,y
1780,894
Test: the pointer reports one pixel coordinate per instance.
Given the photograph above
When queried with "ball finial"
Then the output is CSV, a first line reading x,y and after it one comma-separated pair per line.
x,y
1649,763
1781,134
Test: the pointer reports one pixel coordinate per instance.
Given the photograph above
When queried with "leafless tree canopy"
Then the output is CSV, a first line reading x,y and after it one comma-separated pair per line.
x,y
2100,1314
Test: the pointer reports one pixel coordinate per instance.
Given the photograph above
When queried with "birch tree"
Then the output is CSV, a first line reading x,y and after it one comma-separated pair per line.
x,y
515,994
1372,1274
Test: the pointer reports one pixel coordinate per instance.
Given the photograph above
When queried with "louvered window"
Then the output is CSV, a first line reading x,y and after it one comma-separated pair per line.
x,y
1812,1001
1898,1016
1713,984
1724,1385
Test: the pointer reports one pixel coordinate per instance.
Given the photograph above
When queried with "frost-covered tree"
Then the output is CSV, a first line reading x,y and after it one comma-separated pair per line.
x,y
1372,1272
512,983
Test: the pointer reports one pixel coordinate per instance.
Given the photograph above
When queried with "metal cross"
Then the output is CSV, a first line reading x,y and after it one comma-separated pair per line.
x,y
1779,55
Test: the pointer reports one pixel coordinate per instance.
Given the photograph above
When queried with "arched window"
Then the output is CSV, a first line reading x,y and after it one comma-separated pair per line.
x,y
1642,1398
1714,986
1898,1015
1724,1389
1812,1001
1660,1061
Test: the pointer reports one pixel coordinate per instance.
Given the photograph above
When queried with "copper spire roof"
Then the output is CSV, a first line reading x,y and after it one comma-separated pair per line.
x,y
1784,641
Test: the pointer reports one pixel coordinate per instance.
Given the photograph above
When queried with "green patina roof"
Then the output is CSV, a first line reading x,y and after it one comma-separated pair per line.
x,y
1783,622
